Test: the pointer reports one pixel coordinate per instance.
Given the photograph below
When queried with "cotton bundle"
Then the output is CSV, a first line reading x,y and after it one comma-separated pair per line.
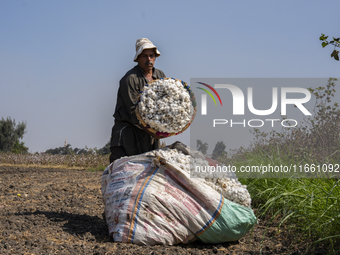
x,y
230,188
166,107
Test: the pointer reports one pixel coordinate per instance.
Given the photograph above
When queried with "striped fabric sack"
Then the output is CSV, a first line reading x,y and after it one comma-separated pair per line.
x,y
149,204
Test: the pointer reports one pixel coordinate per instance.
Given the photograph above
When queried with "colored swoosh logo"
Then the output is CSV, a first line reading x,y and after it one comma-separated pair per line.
x,y
209,93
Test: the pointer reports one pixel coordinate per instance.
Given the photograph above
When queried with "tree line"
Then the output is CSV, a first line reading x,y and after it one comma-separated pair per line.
x,y
219,150
67,150
11,134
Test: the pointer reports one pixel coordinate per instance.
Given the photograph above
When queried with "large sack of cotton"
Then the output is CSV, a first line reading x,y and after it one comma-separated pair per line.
x,y
151,199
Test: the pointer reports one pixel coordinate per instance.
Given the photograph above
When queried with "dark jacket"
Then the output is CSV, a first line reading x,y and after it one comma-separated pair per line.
x,y
125,133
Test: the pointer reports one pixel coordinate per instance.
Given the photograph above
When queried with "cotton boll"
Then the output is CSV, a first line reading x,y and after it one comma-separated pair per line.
x,y
153,95
184,95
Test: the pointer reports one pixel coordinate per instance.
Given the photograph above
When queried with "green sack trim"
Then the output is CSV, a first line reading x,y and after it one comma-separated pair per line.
x,y
233,223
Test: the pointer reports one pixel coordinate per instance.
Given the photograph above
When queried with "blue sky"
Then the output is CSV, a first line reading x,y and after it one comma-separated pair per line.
x,y
61,61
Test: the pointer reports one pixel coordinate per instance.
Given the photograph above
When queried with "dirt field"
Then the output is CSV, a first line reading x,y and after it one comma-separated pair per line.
x,y
59,211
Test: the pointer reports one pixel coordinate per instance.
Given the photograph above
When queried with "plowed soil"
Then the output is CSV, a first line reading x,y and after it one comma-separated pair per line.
x,y
59,211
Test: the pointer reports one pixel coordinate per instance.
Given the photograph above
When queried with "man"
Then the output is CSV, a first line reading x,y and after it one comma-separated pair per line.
x,y
127,137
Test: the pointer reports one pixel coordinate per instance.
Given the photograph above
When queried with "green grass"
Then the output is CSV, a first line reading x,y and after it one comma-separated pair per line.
x,y
312,205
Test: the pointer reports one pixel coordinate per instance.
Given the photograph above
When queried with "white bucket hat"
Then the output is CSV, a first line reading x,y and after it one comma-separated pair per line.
x,y
143,44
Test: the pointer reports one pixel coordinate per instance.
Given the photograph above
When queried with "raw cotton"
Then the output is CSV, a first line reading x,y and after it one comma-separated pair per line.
x,y
165,105
230,188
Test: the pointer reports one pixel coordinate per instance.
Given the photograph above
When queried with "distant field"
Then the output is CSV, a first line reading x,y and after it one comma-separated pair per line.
x,y
61,161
